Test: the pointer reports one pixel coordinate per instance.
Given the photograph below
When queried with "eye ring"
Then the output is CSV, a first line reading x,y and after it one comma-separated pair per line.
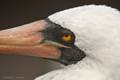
x,y
66,37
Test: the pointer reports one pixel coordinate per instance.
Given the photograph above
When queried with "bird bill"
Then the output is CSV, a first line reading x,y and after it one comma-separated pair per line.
x,y
26,40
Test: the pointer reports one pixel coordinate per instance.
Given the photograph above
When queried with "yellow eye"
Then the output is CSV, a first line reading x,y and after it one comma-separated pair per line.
x,y
66,37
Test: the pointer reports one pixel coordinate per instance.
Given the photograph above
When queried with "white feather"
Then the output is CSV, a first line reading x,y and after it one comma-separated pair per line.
x,y
97,31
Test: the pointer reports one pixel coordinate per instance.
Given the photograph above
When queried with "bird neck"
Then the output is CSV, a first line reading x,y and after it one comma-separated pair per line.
x,y
90,64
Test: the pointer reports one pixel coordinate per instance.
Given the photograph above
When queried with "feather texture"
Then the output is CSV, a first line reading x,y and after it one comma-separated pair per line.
x,y
97,31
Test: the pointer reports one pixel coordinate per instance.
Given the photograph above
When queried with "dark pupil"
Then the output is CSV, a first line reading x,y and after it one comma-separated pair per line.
x,y
66,35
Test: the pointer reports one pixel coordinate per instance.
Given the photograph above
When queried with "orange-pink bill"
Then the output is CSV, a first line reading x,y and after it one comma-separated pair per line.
x,y
26,40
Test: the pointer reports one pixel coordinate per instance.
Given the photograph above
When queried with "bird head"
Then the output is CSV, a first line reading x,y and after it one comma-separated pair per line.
x,y
68,36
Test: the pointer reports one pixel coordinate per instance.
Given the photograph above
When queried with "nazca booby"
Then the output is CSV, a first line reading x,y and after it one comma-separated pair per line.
x,y
85,39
